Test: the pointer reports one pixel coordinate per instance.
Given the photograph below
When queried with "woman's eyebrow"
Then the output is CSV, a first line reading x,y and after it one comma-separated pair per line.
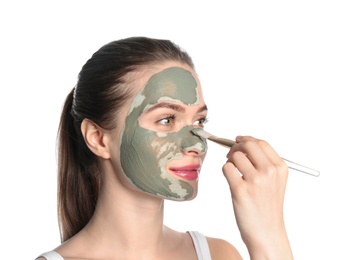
x,y
167,105
173,106
202,108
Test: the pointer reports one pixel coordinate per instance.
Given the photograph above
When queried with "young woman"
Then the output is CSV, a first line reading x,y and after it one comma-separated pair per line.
x,y
125,144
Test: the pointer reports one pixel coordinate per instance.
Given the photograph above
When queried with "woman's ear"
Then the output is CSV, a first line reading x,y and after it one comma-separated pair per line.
x,y
95,138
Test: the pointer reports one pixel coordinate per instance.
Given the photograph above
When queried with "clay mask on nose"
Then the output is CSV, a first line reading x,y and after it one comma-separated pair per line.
x,y
145,154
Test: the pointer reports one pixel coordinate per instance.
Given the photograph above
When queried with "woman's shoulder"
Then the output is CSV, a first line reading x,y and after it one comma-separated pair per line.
x,y
222,249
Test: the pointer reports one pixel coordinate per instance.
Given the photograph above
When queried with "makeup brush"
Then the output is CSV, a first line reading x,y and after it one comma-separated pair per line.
x,y
229,143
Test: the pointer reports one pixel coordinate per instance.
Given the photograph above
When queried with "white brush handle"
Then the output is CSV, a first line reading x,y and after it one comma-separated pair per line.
x,y
301,168
291,165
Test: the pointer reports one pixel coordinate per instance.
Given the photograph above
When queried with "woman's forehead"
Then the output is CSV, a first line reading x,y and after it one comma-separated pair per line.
x,y
138,79
174,84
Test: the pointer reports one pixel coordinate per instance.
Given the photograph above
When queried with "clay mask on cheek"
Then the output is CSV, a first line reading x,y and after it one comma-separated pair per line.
x,y
145,154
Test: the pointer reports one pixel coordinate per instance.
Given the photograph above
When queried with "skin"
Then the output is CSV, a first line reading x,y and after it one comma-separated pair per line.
x,y
128,221
173,85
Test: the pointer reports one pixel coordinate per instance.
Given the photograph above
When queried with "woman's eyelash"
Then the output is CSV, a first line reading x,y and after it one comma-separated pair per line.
x,y
166,118
202,121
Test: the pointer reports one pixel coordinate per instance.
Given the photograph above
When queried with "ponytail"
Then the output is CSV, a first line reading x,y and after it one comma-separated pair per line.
x,y
77,183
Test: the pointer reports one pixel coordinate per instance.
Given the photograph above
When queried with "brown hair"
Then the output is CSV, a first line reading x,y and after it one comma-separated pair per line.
x,y
99,94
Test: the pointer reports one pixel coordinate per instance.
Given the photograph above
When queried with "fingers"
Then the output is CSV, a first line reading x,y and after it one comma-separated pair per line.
x,y
251,155
243,165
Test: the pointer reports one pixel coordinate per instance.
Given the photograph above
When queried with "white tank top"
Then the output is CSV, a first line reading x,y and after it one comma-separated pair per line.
x,y
199,241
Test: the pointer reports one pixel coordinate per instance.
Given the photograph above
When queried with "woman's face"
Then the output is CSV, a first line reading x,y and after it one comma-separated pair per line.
x,y
158,153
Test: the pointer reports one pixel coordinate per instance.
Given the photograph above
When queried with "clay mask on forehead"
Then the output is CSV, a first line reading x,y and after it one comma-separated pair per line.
x,y
145,154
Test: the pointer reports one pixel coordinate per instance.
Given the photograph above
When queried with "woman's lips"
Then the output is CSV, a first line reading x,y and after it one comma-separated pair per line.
x,y
188,172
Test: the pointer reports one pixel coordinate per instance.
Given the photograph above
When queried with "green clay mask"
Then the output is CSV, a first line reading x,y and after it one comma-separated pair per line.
x,y
145,154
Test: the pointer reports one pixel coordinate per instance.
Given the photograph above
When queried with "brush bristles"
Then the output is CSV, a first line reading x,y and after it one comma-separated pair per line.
x,y
201,133
222,141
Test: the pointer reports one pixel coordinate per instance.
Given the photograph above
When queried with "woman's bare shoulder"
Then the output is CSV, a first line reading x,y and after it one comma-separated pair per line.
x,y
222,249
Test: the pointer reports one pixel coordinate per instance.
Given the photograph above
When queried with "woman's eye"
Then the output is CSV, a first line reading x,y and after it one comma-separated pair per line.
x,y
167,121
201,122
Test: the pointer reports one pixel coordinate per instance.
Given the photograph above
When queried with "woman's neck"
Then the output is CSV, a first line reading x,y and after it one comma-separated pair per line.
x,y
127,217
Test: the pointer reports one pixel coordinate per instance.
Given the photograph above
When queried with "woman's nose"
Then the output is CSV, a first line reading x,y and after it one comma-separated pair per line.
x,y
191,143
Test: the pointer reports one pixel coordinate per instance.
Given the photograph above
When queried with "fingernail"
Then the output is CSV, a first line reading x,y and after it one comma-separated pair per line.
x,y
239,137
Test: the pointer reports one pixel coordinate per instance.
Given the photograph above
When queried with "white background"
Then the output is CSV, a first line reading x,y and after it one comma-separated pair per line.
x,y
277,70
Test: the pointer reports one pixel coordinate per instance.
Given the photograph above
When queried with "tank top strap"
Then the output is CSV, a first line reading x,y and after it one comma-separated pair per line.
x,y
201,245
52,255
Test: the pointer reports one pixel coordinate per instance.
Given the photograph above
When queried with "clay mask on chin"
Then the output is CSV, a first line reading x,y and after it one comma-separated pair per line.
x,y
145,154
